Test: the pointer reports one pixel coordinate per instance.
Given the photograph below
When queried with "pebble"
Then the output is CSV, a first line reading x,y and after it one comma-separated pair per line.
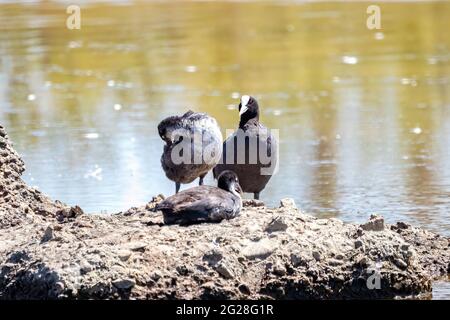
x,y
405,247
296,259
400,263
340,278
85,267
277,224
244,288
224,270
252,203
259,250
316,255
279,269
362,261
69,212
182,270
124,255
402,225
136,246
48,234
359,244
375,223
213,256
287,203
124,284
156,275
334,262
59,287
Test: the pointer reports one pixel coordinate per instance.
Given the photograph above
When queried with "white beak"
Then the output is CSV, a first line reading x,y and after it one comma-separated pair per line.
x,y
244,101
243,110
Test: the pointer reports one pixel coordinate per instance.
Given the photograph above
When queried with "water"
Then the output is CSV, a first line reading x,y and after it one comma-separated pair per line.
x,y
441,289
364,116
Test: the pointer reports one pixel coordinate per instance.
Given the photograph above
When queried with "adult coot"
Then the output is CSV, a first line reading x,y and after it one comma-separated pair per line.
x,y
251,152
193,146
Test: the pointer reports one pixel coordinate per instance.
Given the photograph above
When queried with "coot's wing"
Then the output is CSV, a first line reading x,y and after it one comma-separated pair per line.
x,y
179,201
204,203
215,207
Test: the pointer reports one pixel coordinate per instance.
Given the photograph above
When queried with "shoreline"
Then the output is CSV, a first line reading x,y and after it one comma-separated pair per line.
x,y
51,251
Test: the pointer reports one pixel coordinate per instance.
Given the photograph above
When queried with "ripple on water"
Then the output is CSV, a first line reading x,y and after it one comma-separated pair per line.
x,y
235,95
92,135
190,69
95,173
349,60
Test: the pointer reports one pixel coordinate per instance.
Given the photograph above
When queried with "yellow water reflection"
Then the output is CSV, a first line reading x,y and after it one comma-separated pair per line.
x,y
363,114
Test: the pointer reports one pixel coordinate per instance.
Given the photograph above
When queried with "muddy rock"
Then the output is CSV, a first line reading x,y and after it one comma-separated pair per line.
x,y
51,251
287,203
259,249
124,284
224,270
48,234
19,203
68,213
252,203
376,223
276,224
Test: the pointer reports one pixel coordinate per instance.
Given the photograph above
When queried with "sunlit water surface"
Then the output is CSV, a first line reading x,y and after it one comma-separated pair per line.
x,y
364,115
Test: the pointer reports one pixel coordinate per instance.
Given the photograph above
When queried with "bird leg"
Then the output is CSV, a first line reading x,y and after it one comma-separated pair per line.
x,y
200,182
177,187
256,196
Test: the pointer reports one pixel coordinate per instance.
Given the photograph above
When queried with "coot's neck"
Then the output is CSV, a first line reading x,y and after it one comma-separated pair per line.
x,y
229,187
234,192
222,185
246,119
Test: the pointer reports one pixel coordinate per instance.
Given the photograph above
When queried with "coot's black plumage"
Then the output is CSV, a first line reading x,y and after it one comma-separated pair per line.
x,y
178,132
204,203
253,171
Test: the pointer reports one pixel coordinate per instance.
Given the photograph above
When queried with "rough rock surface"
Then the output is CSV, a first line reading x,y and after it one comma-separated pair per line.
x,y
50,251
18,202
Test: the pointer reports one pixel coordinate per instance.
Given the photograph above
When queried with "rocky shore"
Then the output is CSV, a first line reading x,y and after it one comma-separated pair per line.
x,y
51,251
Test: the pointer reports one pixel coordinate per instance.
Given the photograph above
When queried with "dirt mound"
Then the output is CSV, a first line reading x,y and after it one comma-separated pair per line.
x,y
18,202
48,250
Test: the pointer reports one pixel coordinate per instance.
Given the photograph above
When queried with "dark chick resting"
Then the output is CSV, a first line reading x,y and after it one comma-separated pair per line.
x,y
204,203
197,156
251,152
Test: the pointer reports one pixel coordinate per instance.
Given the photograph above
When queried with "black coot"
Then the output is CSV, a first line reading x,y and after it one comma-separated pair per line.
x,y
251,152
204,203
